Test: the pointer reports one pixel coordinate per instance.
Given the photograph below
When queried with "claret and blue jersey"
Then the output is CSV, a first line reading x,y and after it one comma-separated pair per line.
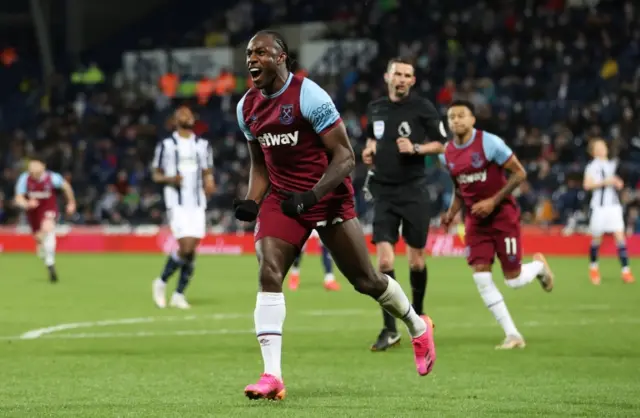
x,y
22,185
493,147
289,125
477,167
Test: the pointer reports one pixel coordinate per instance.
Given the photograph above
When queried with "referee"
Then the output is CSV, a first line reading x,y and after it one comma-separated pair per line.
x,y
401,129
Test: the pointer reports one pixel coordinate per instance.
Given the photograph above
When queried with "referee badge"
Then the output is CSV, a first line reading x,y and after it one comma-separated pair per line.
x,y
378,129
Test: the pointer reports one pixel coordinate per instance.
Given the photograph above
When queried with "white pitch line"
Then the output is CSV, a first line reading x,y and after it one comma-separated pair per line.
x,y
37,333
142,334
188,332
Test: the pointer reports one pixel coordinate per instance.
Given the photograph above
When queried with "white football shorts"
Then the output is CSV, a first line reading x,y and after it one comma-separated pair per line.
x,y
186,222
606,220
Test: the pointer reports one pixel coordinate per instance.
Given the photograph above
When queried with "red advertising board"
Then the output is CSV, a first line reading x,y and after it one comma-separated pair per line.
x,y
157,240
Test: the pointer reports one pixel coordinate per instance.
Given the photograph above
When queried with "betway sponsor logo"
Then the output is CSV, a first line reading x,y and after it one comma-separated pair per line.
x,y
272,140
39,195
480,176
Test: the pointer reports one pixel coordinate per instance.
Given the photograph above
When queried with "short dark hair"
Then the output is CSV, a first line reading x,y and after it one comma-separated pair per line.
x,y
37,156
399,60
463,103
282,44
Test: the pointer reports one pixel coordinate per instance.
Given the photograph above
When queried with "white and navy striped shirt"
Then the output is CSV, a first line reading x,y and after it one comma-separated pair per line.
x,y
187,157
598,170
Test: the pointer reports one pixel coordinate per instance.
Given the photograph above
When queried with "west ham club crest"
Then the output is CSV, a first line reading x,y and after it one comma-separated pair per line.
x,y
476,160
286,114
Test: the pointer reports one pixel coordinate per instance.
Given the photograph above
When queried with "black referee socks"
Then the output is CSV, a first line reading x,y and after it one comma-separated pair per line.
x,y
418,280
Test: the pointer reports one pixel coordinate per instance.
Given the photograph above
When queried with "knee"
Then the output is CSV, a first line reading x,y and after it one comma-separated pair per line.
x,y
386,258
270,276
481,268
47,226
416,259
511,275
186,253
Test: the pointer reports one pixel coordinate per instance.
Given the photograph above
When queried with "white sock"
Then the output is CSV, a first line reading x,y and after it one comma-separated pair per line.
x,y
39,249
329,277
528,272
394,301
295,271
269,319
49,246
493,300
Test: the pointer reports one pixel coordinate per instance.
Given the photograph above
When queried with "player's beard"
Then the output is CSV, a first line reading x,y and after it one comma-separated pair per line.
x,y
185,125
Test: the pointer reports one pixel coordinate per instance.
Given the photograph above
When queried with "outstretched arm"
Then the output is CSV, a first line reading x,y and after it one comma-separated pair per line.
x,y
343,160
258,175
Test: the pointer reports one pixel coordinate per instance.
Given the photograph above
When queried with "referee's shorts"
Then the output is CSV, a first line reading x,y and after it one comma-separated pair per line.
x,y
406,206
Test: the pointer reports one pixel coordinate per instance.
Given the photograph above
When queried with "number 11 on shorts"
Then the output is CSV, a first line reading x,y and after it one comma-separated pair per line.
x,y
511,246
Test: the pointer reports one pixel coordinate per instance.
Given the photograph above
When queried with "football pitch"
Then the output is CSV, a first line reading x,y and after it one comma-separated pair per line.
x,y
94,345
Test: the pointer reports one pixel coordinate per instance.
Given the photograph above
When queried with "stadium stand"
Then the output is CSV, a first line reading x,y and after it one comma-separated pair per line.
x,y
546,76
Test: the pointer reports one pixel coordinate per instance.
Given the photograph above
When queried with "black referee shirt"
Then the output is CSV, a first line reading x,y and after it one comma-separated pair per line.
x,y
413,117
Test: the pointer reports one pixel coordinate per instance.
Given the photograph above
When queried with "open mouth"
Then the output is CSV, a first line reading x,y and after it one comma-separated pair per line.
x,y
255,73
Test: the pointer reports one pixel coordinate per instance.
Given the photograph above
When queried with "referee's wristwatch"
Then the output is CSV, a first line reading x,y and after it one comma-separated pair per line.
x,y
416,149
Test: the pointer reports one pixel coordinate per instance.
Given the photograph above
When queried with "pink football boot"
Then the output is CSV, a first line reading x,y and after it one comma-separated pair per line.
x,y
424,349
268,387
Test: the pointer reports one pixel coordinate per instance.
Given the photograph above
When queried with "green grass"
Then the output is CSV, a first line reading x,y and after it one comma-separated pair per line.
x,y
582,356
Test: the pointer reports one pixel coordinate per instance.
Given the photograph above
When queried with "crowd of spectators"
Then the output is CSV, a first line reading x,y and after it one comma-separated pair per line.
x,y
546,76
